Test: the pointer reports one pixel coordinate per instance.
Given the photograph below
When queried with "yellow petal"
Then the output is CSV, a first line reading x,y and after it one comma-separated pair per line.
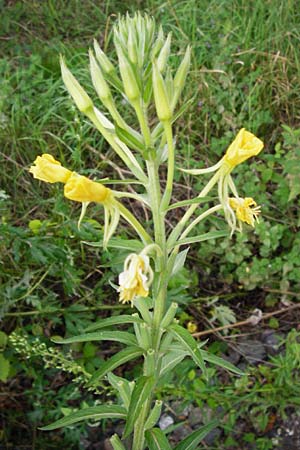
x,y
243,147
245,209
81,189
47,169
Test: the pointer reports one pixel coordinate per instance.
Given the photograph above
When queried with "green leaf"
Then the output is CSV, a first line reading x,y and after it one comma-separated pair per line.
x,y
157,440
116,360
4,368
132,140
140,394
179,261
132,245
209,357
191,442
115,320
189,343
203,237
119,336
170,360
192,201
122,386
95,412
125,181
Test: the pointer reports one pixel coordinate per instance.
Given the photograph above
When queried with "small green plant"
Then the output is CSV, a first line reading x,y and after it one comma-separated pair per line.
x,y
147,85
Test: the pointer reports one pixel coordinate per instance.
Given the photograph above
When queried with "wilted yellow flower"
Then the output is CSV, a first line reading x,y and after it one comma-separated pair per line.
x,y
48,169
192,326
245,209
136,278
243,147
81,189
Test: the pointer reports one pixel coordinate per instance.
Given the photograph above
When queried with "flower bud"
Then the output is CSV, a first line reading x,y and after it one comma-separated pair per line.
x,y
81,189
164,54
103,60
243,147
162,103
183,70
98,80
131,88
180,76
132,48
49,170
80,97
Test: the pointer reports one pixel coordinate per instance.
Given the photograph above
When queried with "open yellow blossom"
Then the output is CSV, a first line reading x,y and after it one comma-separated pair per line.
x,y
246,209
243,147
47,169
81,189
136,278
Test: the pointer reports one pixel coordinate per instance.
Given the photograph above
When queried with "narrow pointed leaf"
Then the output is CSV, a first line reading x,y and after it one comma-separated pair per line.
x,y
122,244
192,201
171,360
191,442
189,343
116,360
115,320
95,412
133,141
157,440
203,237
179,261
119,336
140,394
209,357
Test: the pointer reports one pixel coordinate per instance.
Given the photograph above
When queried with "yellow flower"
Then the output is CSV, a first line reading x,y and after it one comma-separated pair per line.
x,y
136,278
48,169
81,189
191,327
245,209
243,147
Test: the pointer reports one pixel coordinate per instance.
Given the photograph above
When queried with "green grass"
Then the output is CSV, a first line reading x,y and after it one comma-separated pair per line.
x,y
245,73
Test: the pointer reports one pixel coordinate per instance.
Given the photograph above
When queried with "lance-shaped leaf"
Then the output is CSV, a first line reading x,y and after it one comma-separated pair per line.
x,y
203,237
188,343
191,442
129,244
117,360
157,440
95,412
171,360
189,202
131,138
123,386
114,320
119,336
209,357
140,394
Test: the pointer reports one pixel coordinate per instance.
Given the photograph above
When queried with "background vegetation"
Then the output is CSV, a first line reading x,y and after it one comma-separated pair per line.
x,y
245,73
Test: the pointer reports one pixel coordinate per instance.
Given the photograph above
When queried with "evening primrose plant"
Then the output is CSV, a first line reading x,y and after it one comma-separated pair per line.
x,y
144,79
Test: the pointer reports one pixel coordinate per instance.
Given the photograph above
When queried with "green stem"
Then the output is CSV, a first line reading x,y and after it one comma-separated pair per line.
x,y
181,224
139,428
171,161
199,219
142,118
134,223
